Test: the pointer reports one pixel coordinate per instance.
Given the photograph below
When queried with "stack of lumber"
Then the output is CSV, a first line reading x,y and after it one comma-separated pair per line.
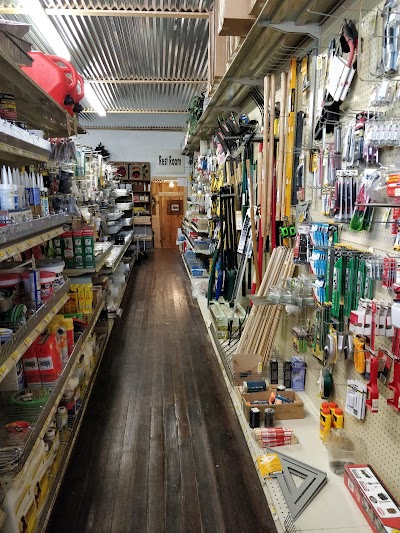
x,y
257,339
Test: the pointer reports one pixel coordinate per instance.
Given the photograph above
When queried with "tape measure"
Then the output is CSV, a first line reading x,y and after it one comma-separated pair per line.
x,y
325,383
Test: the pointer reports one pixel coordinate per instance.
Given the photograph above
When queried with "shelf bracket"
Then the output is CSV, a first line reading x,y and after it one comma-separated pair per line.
x,y
313,30
255,82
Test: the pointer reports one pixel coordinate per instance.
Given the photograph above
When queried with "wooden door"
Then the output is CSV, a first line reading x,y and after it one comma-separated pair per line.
x,y
167,213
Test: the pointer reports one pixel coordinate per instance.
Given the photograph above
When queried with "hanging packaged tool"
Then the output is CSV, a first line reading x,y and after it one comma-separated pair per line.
x,y
298,189
341,72
391,32
337,287
339,75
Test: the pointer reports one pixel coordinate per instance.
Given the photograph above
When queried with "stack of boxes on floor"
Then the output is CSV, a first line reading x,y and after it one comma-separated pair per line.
x,y
40,369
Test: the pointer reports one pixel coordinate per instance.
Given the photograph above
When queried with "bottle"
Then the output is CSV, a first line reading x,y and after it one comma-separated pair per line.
x,y
325,423
44,198
324,405
333,406
6,191
338,418
61,418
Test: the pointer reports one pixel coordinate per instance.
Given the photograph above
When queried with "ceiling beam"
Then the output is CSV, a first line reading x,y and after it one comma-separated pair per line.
x,y
138,112
128,128
146,82
75,12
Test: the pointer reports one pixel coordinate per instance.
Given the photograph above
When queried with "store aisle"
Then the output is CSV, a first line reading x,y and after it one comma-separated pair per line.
x,y
160,448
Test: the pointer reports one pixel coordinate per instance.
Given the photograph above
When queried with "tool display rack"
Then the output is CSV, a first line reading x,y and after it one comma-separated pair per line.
x,y
380,431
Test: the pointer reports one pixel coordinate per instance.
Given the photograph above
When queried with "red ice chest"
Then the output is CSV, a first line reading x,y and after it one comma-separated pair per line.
x,y
57,77
378,506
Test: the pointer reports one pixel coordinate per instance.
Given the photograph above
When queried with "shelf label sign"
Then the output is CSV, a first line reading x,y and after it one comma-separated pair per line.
x,y
170,162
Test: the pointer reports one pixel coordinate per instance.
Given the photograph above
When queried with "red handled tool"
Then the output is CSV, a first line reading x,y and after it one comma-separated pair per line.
x,y
372,386
395,386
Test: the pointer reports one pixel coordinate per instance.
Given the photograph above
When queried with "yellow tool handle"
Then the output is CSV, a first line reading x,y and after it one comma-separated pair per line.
x,y
291,127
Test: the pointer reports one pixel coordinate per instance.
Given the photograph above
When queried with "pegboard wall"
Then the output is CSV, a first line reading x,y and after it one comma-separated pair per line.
x,y
380,431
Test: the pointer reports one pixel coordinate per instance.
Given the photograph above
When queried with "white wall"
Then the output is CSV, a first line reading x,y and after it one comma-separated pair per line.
x,y
141,146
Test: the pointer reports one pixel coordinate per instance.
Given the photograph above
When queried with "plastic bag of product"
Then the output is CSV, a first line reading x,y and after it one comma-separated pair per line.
x,y
376,187
199,287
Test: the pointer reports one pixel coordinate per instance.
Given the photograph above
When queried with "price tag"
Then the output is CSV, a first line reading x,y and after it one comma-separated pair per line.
x,y
29,242
2,254
3,370
27,341
15,355
47,319
11,250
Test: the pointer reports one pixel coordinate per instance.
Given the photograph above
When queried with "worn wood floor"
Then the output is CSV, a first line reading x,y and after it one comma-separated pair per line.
x,y
160,448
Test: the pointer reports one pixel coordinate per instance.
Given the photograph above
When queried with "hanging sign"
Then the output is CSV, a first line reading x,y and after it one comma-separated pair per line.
x,y
170,162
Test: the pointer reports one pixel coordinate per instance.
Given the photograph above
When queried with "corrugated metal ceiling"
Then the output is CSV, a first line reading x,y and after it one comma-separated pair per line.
x,y
141,121
168,5
129,48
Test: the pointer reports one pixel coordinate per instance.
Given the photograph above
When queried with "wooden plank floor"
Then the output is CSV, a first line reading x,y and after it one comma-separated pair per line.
x,y
160,448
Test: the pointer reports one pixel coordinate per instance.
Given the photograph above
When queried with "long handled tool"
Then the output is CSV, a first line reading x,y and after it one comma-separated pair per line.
x,y
291,125
253,222
264,180
280,186
271,150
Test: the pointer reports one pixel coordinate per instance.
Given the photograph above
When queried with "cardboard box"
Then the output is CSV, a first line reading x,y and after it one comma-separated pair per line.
x,y
284,411
234,19
378,506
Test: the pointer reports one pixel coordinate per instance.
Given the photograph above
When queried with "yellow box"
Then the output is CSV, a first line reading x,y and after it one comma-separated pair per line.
x,y
88,297
81,298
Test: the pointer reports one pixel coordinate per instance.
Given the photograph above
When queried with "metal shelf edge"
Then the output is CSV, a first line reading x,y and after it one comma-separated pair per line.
x,y
26,335
60,385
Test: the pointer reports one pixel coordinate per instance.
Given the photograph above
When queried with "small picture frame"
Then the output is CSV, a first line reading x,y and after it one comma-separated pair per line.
x,y
175,207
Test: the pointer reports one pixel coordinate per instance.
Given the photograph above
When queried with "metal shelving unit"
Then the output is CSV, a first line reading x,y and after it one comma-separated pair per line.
x,y
192,226
281,29
17,238
111,268
189,272
103,251
35,106
112,315
54,398
69,442
12,351
12,148
195,249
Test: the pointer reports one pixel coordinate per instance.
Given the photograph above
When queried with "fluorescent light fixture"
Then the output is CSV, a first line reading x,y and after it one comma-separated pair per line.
x,y
35,11
93,99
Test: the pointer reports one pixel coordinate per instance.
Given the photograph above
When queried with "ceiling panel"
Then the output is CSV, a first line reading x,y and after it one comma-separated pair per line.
x,y
129,48
167,5
134,121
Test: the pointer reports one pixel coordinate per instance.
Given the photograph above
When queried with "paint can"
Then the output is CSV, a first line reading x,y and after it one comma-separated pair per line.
x,y
269,417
